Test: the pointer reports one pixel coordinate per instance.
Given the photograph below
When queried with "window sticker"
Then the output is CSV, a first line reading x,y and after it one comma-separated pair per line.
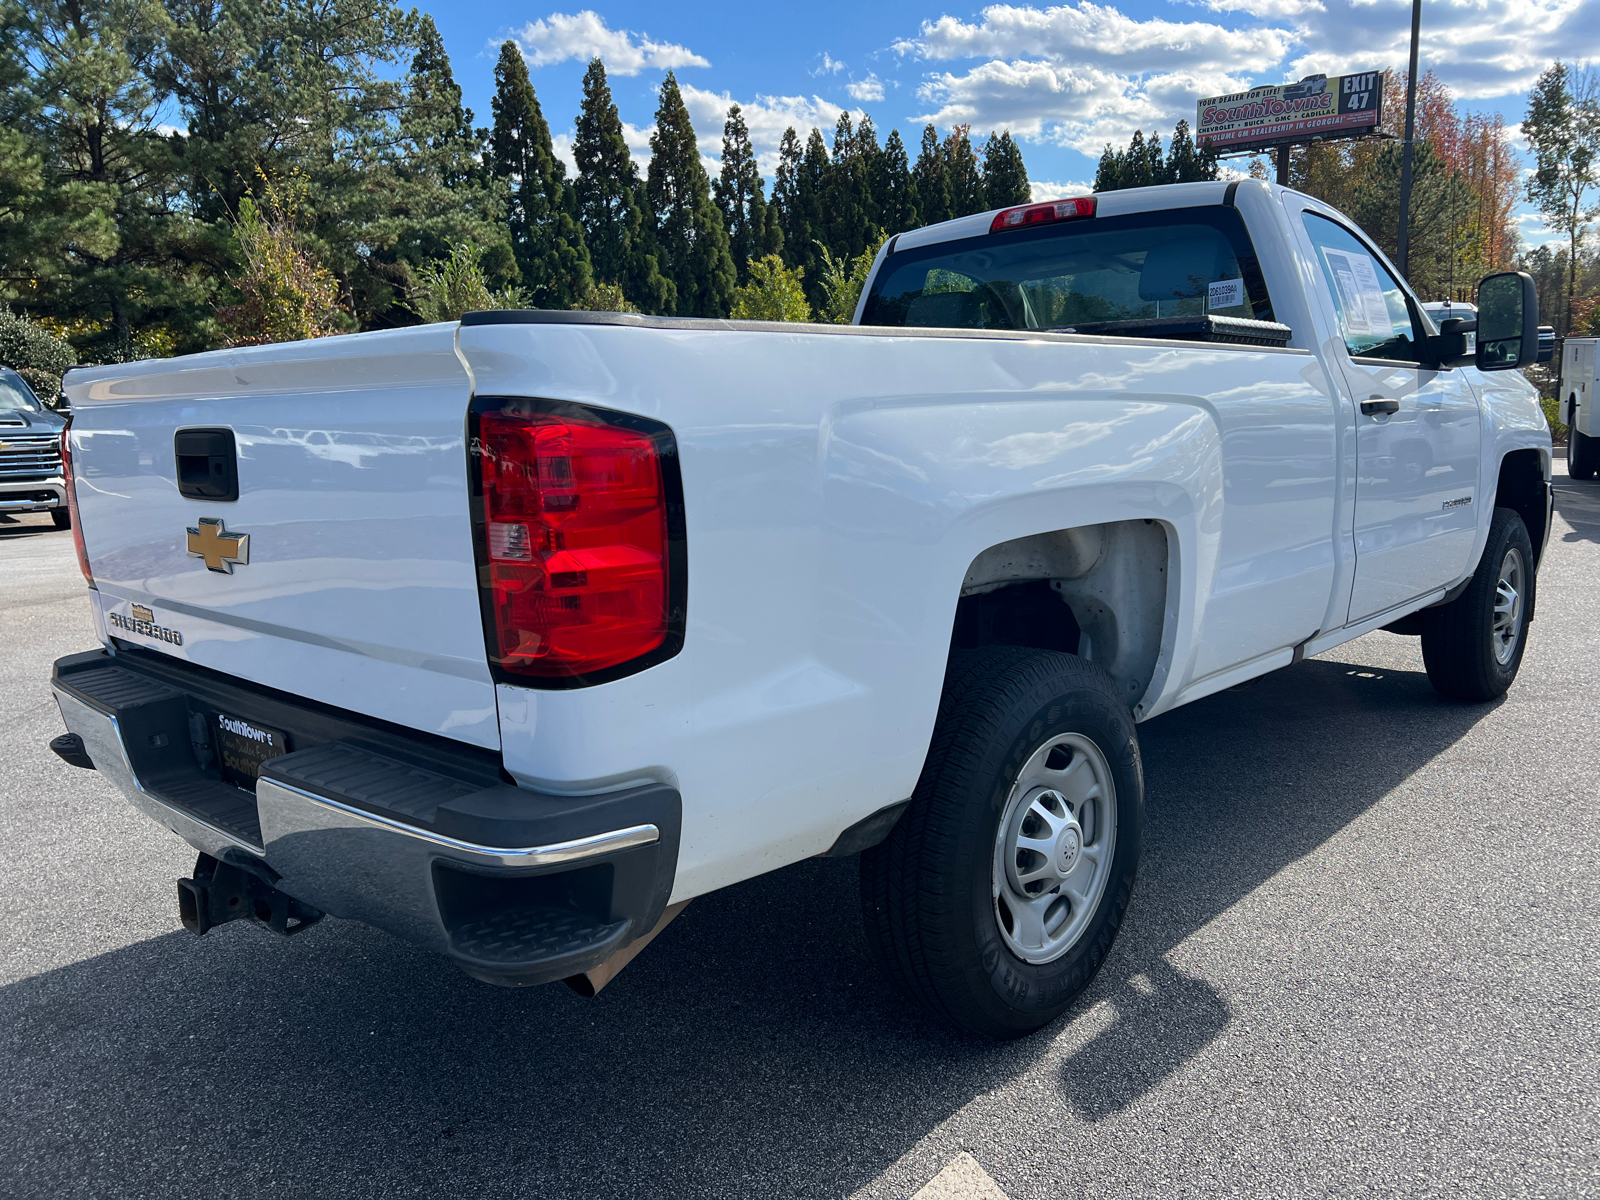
x,y
1225,293
1360,294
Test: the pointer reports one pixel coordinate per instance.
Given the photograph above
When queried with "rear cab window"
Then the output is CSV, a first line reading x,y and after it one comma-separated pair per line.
x,y
1090,275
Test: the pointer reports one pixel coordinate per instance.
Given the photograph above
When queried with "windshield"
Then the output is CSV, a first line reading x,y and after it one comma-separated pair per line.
x,y
1077,275
15,394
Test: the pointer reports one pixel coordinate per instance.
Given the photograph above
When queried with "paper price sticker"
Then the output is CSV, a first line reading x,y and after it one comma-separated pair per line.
x,y
1360,294
1225,293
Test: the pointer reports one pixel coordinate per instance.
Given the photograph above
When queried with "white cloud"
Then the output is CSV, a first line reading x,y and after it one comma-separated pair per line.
x,y
870,88
1480,48
1042,191
765,116
561,37
1083,73
828,66
1266,8
1080,107
1089,34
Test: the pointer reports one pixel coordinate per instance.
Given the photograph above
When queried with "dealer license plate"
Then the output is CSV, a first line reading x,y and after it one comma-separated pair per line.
x,y
242,746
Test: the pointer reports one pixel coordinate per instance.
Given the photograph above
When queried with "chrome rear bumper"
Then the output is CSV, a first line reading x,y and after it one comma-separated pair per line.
x,y
516,886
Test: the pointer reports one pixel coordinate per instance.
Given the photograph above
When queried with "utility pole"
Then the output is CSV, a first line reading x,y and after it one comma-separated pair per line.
x,y
1405,153
1283,166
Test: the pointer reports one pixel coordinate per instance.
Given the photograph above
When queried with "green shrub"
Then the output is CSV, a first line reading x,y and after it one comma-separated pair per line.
x,y
286,293
37,355
448,287
606,297
25,345
842,282
774,293
1552,413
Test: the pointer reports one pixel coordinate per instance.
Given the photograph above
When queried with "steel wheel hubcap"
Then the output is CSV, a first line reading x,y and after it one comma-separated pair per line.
x,y
1507,607
1053,848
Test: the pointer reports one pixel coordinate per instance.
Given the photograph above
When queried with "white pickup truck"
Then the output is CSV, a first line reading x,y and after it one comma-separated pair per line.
x,y
512,636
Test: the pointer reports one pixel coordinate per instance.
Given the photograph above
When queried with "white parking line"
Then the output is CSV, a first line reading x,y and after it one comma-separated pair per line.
x,y
961,1179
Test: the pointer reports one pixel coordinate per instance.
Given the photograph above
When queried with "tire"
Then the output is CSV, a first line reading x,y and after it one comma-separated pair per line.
x,y
1468,654
936,894
1582,451
62,518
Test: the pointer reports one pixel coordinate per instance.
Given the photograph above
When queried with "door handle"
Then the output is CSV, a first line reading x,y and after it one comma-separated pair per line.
x,y
1378,405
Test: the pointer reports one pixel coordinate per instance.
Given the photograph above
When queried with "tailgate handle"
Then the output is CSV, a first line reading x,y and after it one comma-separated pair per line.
x,y
208,464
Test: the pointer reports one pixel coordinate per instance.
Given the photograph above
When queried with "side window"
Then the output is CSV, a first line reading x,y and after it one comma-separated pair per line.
x,y
1371,306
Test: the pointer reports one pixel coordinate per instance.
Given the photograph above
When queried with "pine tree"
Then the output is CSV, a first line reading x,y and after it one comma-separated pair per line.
x,y
441,195
1005,179
1563,131
786,198
688,227
932,180
966,179
1183,159
1135,163
1108,175
739,196
897,202
1155,165
608,194
433,101
545,234
772,233
872,169
845,194
811,189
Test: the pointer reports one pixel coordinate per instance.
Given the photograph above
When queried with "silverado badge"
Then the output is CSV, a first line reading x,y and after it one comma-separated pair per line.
x,y
218,547
143,622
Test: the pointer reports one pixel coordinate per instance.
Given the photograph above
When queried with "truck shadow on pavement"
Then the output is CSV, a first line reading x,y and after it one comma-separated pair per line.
x,y
1579,505
753,1050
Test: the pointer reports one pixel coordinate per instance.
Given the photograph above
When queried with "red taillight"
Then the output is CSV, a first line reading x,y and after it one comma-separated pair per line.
x,y
575,540
72,505
1039,214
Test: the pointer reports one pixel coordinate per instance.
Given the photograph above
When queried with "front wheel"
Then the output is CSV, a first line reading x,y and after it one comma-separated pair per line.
x,y
996,898
1473,646
61,518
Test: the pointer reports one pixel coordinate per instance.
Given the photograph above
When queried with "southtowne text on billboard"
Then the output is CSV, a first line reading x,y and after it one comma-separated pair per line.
x,y
1319,106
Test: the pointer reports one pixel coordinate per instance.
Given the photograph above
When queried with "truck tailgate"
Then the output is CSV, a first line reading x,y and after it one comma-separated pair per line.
x,y
357,585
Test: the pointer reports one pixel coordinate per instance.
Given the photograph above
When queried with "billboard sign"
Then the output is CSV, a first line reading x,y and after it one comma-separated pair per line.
x,y
1319,106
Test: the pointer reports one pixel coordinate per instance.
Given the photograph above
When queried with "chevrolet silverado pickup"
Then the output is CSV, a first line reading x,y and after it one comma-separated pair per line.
x,y
512,635
30,453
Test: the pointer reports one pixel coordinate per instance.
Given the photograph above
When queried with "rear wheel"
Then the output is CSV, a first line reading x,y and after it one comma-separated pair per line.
x,y
1473,646
61,517
997,896
1582,451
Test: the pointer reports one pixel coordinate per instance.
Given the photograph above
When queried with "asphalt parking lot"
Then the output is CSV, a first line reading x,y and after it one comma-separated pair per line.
x,y
1361,961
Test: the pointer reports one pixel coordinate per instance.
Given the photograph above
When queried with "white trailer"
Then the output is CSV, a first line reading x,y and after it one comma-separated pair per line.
x,y
1577,407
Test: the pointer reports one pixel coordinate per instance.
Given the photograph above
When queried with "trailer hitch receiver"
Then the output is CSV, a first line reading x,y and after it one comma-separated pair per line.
x,y
221,892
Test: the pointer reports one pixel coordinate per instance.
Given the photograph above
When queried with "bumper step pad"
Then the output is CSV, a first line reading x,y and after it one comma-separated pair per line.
x,y
538,935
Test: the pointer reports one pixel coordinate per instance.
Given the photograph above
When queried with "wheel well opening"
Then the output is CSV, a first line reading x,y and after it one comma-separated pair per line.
x,y
1521,487
1098,591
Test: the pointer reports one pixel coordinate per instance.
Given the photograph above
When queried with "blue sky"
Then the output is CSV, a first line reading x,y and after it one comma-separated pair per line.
x,y
1065,79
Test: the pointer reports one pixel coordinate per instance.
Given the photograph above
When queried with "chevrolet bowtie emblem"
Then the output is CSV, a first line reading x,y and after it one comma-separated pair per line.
x,y
218,547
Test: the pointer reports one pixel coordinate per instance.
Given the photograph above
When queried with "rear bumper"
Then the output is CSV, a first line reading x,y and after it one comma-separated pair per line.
x,y
32,495
371,823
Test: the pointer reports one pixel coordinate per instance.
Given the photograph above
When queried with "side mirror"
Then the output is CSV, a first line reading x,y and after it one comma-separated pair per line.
x,y
1508,322
1451,346
1547,343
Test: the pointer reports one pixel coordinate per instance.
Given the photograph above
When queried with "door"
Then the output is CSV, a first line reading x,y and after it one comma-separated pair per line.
x,y
1417,433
